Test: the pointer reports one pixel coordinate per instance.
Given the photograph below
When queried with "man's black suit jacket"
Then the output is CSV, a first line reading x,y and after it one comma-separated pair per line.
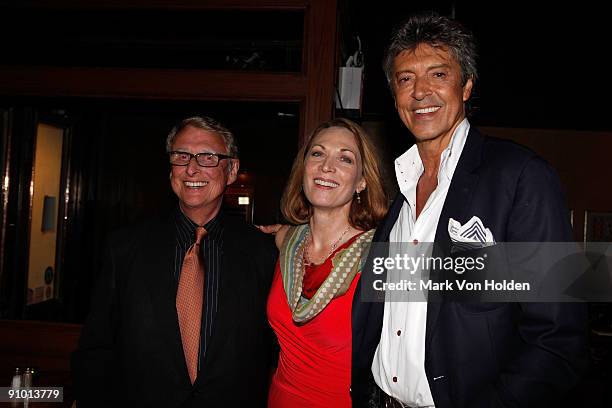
x,y
489,354
130,351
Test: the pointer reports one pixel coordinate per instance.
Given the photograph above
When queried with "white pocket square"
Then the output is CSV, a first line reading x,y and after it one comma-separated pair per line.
x,y
470,235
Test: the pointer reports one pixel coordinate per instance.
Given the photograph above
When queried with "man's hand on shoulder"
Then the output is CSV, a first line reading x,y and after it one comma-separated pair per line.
x,y
269,229
278,230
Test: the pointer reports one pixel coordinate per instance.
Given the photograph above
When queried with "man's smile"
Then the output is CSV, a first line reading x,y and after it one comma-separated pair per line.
x,y
195,184
429,109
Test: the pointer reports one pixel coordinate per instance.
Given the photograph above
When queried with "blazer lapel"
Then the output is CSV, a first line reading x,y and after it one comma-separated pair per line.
x,y
367,316
456,205
159,266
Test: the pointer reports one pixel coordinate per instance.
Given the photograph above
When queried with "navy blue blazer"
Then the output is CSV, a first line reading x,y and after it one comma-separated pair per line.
x,y
489,354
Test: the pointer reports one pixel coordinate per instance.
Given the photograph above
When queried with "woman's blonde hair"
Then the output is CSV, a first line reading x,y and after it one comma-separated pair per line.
x,y
364,215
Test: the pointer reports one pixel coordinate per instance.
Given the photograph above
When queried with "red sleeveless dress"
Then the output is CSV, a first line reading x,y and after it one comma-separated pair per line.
x,y
314,365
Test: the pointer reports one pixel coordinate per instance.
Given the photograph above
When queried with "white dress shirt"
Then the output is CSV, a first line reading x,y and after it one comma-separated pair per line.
x,y
399,362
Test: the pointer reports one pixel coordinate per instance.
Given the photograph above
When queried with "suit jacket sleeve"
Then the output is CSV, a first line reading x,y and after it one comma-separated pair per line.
x,y
267,255
94,361
553,353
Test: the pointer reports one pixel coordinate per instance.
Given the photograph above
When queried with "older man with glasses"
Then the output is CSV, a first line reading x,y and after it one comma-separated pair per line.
x,y
178,317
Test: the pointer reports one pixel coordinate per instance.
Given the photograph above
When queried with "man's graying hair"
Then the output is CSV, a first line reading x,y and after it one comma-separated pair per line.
x,y
205,123
437,31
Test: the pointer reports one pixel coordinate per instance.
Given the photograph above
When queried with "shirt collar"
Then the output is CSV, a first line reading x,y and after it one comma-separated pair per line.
x,y
409,166
450,155
212,227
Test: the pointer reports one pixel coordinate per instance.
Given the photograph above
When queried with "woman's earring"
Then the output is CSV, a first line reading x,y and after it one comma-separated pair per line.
x,y
358,197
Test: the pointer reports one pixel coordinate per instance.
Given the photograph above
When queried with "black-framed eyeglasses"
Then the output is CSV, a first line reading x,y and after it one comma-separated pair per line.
x,y
204,159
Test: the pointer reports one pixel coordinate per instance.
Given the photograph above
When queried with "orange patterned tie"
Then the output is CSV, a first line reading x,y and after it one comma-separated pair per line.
x,y
189,297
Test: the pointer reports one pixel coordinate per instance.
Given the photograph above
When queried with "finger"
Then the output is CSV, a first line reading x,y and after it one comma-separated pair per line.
x,y
270,229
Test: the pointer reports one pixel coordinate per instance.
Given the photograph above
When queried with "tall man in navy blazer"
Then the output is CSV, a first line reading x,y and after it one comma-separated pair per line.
x,y
449,354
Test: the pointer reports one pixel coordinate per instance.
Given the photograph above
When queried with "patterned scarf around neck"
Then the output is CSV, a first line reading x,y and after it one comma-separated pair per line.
x,y
345,265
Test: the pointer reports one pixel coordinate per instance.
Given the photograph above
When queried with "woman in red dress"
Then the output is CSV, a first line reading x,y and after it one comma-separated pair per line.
x,y
334,198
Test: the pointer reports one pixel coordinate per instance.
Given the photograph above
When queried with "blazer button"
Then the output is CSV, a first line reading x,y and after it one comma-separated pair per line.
x,y
399,332
394,379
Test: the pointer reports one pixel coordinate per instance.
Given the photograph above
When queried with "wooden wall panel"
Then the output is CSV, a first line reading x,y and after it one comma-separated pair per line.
x,y
313,87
